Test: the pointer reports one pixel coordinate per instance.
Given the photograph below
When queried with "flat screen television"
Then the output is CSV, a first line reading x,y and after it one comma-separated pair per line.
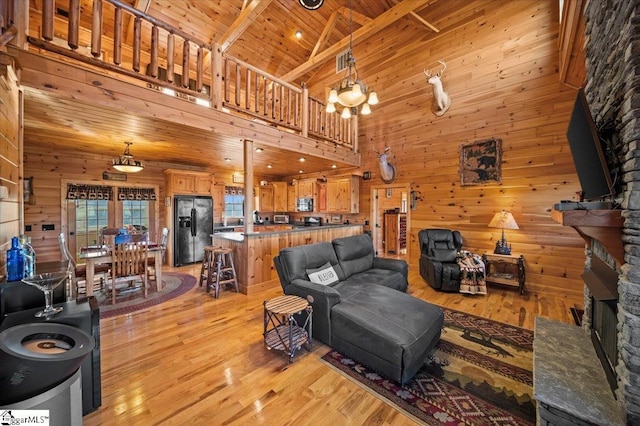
x,y
587,152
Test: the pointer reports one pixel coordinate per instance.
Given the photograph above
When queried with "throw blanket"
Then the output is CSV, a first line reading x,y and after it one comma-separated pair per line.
x,y
472,278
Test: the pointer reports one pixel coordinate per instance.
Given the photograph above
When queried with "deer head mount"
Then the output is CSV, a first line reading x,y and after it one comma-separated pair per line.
x,y
441,100
387,170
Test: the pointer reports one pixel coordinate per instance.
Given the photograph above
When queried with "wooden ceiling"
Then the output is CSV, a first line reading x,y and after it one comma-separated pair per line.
x,y
385,33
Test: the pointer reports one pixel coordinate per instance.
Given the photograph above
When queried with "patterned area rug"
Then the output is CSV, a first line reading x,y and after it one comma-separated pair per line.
x,y
128,301
479,374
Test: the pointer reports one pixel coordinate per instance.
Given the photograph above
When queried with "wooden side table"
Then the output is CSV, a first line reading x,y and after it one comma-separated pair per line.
x,y
281,329
507,269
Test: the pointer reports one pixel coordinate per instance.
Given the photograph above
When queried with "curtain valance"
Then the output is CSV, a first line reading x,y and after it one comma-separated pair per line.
x,y
233,190
89,192
138,194
103,192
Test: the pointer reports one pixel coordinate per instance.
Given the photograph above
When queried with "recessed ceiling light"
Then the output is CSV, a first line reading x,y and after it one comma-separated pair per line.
x,y
302,160
300,171
227,159
269,166
259,150
333,166
298,34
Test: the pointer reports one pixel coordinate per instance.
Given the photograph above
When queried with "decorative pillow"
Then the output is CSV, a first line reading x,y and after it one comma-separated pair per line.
x,y
324,275
444,255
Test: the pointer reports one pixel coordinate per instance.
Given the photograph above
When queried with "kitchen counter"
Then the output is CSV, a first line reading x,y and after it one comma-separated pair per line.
x,y
253,253
239,236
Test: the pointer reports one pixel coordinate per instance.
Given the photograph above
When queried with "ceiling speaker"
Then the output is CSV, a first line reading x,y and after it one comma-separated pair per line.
x,y
311,4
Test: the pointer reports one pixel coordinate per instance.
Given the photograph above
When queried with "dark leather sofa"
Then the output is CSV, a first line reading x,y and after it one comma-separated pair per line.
x,y
438,252
367,314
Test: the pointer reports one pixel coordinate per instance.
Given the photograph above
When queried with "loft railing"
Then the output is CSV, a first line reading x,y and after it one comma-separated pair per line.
x,y
115,36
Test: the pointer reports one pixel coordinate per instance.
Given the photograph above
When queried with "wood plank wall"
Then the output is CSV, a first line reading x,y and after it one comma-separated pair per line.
x,y
503,79
10,107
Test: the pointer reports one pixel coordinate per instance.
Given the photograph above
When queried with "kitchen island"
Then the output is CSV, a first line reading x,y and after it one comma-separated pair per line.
x,y
253,253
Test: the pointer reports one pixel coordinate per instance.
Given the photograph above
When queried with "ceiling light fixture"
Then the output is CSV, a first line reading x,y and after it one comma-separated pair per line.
x,y
298,34
350,91
125,163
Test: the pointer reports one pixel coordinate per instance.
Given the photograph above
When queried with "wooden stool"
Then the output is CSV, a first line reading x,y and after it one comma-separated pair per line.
x,y
224,272
207,265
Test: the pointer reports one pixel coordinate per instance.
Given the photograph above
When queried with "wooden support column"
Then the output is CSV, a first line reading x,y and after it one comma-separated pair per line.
x,y
216,77
248,186
305,111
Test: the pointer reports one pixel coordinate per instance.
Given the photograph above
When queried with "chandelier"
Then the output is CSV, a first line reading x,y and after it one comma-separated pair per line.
x,y
350,91
125,163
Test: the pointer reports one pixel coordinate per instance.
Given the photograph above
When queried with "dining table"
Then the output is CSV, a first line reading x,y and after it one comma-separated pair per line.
x,y
94,255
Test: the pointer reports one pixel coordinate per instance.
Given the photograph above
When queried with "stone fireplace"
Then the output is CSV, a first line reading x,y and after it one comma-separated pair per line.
x,y
570,383
612,51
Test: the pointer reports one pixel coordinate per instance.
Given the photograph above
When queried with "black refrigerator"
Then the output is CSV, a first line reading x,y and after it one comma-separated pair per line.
x,y
193,224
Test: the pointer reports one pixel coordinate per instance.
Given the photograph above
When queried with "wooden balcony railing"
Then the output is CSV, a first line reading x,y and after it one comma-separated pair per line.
x,y
115,36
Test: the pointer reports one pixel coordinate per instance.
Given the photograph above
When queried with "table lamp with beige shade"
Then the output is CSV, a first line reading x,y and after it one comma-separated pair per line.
x,y
503,220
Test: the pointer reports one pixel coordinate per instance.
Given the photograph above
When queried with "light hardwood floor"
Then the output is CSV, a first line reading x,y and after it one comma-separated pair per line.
x,y
200,360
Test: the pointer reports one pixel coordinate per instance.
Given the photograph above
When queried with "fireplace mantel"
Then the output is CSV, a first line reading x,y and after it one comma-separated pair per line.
x,y
602,225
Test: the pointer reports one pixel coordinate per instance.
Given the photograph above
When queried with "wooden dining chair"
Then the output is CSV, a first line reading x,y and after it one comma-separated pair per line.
x,y
162,246
80,271
129,261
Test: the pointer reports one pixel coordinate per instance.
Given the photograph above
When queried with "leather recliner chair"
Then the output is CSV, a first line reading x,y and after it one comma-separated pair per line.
x,y
438,252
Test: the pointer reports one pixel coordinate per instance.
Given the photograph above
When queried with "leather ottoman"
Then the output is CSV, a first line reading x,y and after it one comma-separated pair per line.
x,y
387,330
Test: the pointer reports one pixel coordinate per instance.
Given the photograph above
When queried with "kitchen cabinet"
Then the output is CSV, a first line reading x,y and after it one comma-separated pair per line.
x,y
218,202
322,197
343,194
280,196
181,182
291,198
395,233
265,202
306,188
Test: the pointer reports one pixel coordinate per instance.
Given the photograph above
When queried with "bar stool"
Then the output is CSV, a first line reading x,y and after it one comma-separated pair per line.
x,y
207,265
224,272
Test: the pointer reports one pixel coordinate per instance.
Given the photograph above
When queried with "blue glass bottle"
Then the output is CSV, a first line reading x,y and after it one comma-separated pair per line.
x,y
15,261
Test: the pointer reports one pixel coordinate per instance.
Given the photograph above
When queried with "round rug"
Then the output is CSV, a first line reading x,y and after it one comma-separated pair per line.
x,y
127,301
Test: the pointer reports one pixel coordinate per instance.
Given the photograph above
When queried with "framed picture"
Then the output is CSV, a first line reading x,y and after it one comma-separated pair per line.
x,y
238,177
480,162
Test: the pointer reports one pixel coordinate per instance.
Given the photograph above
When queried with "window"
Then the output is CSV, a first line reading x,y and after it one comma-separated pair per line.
x,y
136,213
91,216
91,208
233,202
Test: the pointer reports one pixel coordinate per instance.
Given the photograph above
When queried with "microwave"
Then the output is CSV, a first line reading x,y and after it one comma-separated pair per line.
x,y
280,218
304,204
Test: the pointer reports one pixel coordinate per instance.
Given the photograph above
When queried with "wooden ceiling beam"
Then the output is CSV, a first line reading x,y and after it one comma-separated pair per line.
x,y
242,22
331,23
357,17
141,5
387,18
424,22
